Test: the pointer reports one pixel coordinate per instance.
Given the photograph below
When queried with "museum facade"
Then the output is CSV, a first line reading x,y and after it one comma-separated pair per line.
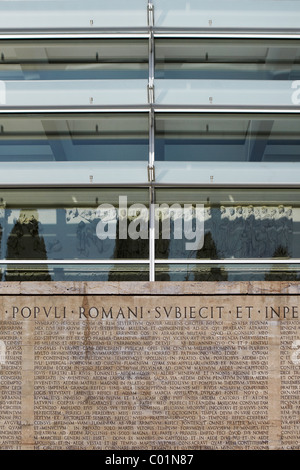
x,y
159,142
154,140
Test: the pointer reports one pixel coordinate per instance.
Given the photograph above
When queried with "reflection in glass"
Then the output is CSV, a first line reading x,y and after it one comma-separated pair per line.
x,y
74,137
73,273
75,59
227,272
238,224
26,242
228,59
227,138
69,224
191,272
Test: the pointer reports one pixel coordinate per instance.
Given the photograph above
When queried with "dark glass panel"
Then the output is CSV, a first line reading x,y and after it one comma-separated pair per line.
x,y
73,273
73,59
227,272
227,137
228,59
74,137
237,224
72,224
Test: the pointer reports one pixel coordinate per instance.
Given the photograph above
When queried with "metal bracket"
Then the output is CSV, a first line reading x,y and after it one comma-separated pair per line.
x,y
150,89
151,173
151,119
150,14
151,43
151,54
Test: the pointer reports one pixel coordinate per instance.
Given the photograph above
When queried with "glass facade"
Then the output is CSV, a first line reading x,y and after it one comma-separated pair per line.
x,y
74,137
227,59
65,59
153,141
227,138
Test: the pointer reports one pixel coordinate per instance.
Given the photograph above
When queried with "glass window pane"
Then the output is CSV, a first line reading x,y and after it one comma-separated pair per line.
x,y
227,138
237,224
74,224
227,272
73,273
70,15
228,59
76,59
81,137
236,14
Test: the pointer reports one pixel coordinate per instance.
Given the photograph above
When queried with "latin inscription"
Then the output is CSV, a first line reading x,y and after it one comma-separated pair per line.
x,y
290,384
149,372
10,385
122,312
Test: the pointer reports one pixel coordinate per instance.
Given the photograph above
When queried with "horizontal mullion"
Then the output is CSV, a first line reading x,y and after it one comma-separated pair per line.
x,y
140,33
72,262
145,32
78,185
230,33
155,108
74,109
228,261
146,262
227,109
154,185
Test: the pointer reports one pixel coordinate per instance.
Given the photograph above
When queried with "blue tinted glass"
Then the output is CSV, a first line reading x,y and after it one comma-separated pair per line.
x,y
243,138
231,15
227,272
71,224
72,15
73,59
237,224
102,137
228,59
72,273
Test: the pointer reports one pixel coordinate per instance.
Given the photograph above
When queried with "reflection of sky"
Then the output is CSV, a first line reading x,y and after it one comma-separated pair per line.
x,y
46,216
68,149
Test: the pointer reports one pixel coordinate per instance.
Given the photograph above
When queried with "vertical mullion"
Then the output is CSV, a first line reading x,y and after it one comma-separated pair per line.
x,y
151,235
151,146
151,171
151,198
151,58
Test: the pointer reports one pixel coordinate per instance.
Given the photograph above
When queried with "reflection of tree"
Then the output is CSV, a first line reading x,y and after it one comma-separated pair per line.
x,y
129,249
162,250
231,232
25,242
286,275
207,272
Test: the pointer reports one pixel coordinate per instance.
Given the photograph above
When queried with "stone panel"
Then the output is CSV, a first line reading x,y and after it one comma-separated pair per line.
x,y
149,371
